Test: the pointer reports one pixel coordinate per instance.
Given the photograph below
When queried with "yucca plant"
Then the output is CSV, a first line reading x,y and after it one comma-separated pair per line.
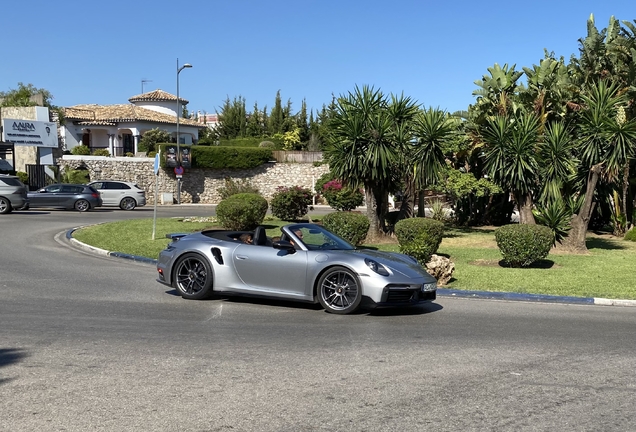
x,y
556,216
438,212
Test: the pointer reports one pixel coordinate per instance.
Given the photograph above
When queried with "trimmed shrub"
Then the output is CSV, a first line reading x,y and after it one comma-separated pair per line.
x,y
630,236
419,237
291,203
241,212
101,152
267,144
522,244
342,198
81,150
352,227
233,187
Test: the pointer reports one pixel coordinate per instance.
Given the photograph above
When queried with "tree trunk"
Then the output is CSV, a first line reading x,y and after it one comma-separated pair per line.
x,y
374,232
524,203
625,190
575,240
407,206
421,204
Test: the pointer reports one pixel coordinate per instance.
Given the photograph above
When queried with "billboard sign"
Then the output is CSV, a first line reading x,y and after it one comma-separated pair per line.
x,y
29,133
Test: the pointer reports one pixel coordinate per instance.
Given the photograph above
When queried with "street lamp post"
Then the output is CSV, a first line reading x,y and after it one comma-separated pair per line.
x,y
179,69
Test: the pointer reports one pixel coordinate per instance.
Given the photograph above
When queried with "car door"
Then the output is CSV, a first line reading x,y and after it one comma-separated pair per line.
x,y
117,191
271,271
44,197
67,196
101,188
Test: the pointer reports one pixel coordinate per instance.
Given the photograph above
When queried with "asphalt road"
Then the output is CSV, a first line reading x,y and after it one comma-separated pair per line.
x,y
91,343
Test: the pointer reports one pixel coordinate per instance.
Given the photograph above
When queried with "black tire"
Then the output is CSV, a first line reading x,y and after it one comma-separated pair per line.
x,y
339,291
82,205
192,277
5,206
128,203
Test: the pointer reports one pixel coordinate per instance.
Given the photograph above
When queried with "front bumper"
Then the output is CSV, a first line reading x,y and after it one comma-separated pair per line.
x,y
397,296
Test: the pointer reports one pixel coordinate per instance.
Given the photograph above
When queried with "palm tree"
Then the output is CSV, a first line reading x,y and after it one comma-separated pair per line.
x,y
432,128
607,143
367,141
511,157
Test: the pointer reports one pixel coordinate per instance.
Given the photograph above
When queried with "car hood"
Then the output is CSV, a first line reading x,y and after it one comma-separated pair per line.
x,y
396,262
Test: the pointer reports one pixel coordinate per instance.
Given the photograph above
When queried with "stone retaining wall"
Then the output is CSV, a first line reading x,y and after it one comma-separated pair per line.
x,y
197,185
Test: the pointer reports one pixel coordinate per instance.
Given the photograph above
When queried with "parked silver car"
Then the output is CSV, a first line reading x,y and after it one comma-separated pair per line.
x,y
308,263
67,196
13,194
124,195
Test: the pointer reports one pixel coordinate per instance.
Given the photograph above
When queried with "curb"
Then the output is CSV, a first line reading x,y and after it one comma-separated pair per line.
x,y
102,252
537,298
443,292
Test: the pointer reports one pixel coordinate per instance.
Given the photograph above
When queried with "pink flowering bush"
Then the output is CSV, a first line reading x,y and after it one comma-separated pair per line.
x,y
340,197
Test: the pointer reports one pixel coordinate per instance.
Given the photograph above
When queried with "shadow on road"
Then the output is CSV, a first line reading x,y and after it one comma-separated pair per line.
x,y
9,356
290,304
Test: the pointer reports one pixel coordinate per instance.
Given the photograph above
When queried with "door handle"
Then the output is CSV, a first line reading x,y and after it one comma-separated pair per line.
x,y
241,257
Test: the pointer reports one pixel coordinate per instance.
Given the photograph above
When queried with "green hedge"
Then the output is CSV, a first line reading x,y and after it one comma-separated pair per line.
x,y
249,142
419,237
522,244
218,157
352,227
241,212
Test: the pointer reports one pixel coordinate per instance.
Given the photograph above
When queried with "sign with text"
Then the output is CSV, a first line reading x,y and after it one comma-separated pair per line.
x,y
30,133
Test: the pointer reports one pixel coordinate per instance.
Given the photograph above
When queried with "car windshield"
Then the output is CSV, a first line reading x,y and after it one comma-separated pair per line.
x,y
316,237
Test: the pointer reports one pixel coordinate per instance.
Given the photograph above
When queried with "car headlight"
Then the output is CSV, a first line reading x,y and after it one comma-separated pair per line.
x,y
427,287
376,267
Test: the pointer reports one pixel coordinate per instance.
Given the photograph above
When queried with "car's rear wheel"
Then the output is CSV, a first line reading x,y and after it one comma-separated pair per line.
x,y
193,277
82,205
339,290
128,204
5,206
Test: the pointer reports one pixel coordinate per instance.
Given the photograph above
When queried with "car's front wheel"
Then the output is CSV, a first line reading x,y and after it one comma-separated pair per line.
x,y
339,291
5,206
193,277
128,204
82,205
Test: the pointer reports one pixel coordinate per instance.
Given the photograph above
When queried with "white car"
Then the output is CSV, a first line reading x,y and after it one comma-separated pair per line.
x,y
124,195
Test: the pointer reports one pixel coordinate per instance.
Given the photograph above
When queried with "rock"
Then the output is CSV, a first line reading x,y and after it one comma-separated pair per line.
x,y
441,268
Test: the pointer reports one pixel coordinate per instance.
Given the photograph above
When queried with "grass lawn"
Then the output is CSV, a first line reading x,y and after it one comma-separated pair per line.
x,y
607,271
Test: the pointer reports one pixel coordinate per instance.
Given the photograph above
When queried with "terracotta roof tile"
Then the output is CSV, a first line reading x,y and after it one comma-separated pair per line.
x,y
157,95
121,113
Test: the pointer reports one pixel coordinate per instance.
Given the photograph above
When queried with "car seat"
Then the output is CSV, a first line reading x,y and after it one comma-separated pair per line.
x,y
260,237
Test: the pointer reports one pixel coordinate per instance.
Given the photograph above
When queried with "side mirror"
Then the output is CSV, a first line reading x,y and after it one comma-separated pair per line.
x,y
41,190
284,245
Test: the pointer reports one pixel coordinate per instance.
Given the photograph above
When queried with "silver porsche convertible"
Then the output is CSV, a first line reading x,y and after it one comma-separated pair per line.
x,y
306,263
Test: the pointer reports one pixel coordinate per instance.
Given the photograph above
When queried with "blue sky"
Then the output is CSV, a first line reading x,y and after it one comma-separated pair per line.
x,y
99,52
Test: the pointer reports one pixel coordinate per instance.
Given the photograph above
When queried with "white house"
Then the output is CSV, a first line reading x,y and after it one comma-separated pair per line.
x,y
119,128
